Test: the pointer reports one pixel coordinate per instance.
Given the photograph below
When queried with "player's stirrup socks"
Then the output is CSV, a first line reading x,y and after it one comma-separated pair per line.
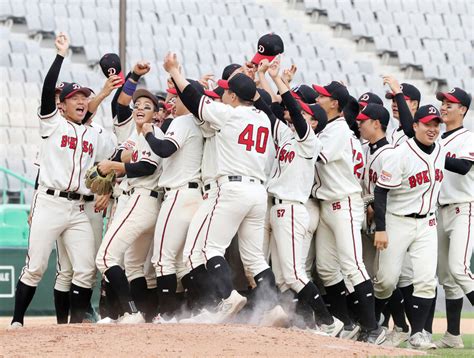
x,y
203,284
407,293
453,316
219,272
352,308
138,291
380,305
421,310
23,296
429,319
119,283
61,304
365,295
397,309
80,298
337,300
265,295
310,294
166,291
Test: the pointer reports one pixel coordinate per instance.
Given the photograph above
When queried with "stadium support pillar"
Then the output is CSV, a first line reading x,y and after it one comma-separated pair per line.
x,y
123,33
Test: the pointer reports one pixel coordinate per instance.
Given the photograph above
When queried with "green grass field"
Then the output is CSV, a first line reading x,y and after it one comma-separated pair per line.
x,y
465,314
468,350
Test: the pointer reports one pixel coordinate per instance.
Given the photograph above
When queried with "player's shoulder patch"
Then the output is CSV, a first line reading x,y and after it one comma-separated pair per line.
x,y
385,176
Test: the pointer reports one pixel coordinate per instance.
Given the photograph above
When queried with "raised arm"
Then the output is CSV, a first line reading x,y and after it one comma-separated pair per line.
x,y
404,114
48,96
299,122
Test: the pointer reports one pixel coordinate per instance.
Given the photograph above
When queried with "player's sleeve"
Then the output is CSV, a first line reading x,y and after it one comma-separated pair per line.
x,y
282,133
308,146
48,123
179,131
467,151
149,155
123,129
390,176
215,113
333,146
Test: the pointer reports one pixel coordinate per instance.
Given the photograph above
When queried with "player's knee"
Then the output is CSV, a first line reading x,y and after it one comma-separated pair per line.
x,y
384,286
458,270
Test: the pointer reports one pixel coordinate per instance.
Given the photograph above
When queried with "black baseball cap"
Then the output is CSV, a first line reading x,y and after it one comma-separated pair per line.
x,y
71,89
110,65
141,92
376,112
268,47
243,86
335,90
369,97
304,93
409,91
456,95
60,86
427,113
314,110
229,70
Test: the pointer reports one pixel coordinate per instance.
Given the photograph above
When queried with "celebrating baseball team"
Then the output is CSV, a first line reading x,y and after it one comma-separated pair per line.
x,y
338,222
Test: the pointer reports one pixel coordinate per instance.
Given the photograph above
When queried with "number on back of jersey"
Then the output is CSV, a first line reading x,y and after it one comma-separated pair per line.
x,y
247,139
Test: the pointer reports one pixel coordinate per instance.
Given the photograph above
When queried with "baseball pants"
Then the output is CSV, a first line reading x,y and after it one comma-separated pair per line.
x,y
455,226
177,211
240,208
64,271
290,221
55,218
192,253
309,251
339,243
418,238
131,230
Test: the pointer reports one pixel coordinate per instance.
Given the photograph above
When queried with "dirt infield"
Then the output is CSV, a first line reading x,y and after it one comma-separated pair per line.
x,y
178,340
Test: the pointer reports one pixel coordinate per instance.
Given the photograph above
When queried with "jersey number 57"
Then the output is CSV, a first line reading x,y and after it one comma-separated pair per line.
x,y
260,142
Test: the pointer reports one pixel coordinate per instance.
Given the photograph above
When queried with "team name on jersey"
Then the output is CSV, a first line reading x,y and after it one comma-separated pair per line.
x,y
373,176
286,156
71,142
423,177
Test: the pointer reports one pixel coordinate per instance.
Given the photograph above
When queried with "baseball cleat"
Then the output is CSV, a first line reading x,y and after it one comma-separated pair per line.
x,y
107,320
203,317
420,341
375,336
14,325
396,337
428,335
450,341
131,318
276,317
332,329
229,307
350,332
159,319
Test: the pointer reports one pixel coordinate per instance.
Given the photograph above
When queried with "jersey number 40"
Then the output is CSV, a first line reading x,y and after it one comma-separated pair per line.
x,y
260,142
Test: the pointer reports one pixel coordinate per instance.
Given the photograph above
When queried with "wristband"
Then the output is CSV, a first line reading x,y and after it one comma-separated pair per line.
x,y
135,77
129,88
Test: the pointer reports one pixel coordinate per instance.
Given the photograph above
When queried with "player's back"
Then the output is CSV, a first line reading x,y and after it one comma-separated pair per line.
x,y
242,144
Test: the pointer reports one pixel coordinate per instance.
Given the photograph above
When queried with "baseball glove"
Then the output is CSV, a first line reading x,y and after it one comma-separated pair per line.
x,y
98,183
368,199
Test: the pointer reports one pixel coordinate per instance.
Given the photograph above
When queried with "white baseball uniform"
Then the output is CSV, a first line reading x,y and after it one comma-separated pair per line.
x,y
242,139
396,136
338,240
456,219
128,239
414,179
181,180
67,151
288,216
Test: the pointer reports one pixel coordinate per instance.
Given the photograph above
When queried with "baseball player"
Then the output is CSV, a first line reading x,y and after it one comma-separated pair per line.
x,y
68,150
373,121
289,219
456,214
94,207
182,149
239,128
406,190
338,240
405,102
127,241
